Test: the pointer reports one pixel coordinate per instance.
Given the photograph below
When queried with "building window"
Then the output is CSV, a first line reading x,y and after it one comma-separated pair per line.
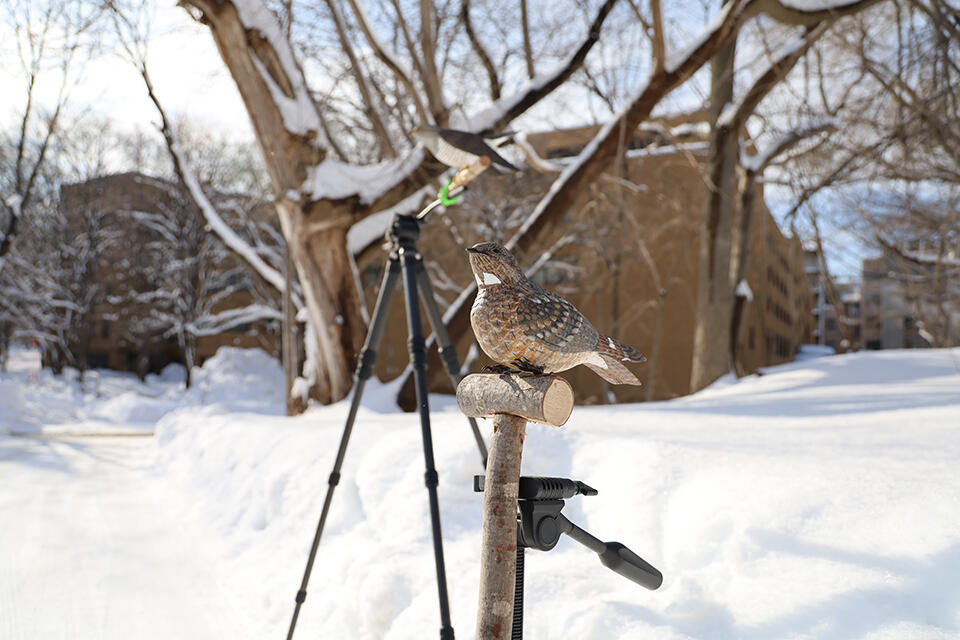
x,y
105,329
752,339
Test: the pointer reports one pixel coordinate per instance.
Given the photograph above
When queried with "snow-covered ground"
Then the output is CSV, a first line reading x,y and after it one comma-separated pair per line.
x,y
821,500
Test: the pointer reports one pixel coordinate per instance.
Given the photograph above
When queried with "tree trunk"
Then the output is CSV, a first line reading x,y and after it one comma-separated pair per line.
x,y
315,229
715,296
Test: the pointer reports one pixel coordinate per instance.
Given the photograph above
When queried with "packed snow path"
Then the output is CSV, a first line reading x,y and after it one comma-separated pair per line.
x,y
817,501
91,549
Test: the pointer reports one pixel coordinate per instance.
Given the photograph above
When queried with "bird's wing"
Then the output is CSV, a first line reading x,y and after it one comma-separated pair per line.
x,y
474,145
556,323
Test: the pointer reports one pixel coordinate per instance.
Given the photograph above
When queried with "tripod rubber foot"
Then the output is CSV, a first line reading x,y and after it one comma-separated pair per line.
x,y
446,633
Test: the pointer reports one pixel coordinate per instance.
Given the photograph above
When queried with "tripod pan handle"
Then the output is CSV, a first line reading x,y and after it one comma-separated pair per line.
x,y
631,566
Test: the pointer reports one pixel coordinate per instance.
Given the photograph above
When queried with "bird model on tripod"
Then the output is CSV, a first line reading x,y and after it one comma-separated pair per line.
x,y
520,324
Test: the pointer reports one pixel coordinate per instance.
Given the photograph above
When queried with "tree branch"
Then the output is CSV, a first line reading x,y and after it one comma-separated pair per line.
x,y
480,50
388,57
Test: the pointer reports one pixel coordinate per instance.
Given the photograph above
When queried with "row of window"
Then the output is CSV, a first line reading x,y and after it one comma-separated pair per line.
x,y
777,282
777,310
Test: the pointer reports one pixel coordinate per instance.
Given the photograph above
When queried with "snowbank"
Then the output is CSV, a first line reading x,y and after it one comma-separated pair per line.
x,y
35,400
816,501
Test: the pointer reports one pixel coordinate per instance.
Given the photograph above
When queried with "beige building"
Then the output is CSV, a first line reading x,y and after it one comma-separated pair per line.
x,y
625,256
130,212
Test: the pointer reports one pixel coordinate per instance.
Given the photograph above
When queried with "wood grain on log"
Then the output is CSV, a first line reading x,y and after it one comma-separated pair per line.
x,y
544,399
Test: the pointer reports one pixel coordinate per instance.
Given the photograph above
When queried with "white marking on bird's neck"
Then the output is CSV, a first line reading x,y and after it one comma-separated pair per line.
x,y
487,279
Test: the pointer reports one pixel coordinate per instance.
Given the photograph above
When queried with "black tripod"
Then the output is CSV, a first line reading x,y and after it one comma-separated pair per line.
x,y
405,259
540,524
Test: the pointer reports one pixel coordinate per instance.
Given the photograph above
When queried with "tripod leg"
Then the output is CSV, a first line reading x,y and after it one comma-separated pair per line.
x,y
418,358
447,352
364,369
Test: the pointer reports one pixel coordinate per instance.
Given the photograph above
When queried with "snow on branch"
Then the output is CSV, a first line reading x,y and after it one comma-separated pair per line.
x,y
336,180
13,204
296,106
216,323
507,109
735,114
757,163
374,227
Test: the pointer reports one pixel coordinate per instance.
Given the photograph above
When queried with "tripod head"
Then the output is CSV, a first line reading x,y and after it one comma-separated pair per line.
x,y
540,501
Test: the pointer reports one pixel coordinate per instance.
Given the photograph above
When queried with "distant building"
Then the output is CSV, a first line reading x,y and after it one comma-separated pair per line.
x,y
889,317
126,208
827,328
627,257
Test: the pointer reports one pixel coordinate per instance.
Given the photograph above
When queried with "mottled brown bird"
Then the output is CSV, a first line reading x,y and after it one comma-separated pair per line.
x,y
522,325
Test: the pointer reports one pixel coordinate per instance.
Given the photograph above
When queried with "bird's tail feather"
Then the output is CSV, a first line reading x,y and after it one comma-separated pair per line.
x,y
614,354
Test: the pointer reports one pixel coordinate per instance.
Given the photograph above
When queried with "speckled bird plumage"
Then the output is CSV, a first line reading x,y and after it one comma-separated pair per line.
x,y
459,149
522,325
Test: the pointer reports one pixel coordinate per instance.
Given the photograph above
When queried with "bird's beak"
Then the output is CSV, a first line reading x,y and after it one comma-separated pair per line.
x,y
473,250
415,131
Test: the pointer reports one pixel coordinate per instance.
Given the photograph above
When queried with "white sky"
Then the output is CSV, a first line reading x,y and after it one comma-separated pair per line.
x,y
187,72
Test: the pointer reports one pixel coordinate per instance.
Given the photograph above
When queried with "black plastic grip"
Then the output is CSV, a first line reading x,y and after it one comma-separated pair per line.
x,y
631,566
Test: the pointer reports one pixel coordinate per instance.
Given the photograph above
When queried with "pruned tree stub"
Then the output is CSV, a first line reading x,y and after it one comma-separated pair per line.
x,y
511,399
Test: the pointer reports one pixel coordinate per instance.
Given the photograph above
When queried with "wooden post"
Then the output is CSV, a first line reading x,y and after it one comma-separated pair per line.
x,y
511,400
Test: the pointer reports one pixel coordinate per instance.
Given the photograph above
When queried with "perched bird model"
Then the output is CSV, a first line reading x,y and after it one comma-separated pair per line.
x,y
522,325
459,149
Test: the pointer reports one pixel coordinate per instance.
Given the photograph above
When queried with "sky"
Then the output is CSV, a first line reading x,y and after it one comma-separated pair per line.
x,y
192,82
185,66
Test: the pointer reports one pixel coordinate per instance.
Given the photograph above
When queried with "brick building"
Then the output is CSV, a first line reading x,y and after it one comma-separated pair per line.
x,y
126,209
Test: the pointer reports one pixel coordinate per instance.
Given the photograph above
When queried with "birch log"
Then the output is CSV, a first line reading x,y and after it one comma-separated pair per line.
x,y
511,399
545,399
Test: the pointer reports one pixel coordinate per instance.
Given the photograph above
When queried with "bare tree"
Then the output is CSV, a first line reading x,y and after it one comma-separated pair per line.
x,y
52,41
319,195
670,71
895,95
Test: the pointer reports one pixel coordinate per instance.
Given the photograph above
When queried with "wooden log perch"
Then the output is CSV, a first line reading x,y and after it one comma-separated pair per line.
x,y
511,399
544,399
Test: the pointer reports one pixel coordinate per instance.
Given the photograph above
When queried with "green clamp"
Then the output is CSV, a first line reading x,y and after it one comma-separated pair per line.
x,y
445,198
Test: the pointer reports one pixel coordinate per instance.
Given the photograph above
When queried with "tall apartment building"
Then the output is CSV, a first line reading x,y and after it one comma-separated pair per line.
x,y
889,320
840,331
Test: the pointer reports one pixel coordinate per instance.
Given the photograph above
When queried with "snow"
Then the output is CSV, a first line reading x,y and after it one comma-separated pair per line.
x,y
810,351
299,113
338,180
221,228
743,290
818,500
374,227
